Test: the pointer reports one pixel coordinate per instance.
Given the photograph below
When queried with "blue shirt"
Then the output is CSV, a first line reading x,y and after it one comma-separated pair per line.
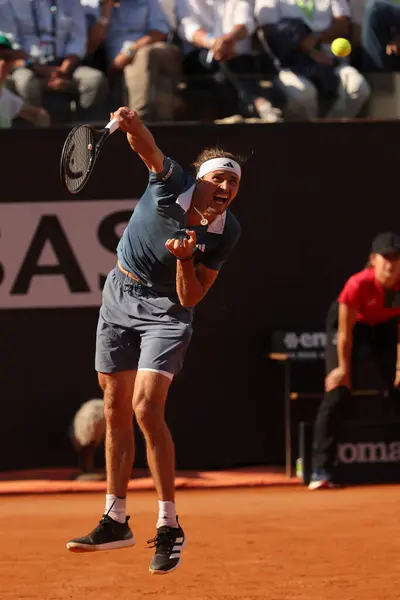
x,y
160,212
131,20
70,31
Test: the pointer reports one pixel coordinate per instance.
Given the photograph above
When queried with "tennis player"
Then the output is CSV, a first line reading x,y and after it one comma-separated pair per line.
x,y
365,321
170,254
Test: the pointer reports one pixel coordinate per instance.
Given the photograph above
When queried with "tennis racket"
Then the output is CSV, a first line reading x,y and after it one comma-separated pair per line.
x,y
79,154
267,50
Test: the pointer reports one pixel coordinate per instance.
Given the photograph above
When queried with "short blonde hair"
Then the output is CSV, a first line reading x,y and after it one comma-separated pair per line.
x,y
215,152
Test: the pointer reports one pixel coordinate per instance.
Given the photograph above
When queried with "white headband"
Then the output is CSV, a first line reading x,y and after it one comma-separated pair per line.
x,y
219,164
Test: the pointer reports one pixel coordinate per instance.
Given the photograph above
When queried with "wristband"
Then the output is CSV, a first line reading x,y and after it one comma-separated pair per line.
x,y
188,258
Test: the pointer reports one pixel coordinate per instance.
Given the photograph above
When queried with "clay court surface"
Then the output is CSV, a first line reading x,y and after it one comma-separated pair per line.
x,y
279,543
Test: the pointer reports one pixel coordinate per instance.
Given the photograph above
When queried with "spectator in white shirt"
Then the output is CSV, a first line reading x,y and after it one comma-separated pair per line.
x,y
223,27
11,105
53,35
324,20
135,33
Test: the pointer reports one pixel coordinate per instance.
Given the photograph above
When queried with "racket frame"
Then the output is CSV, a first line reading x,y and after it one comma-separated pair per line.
x,y
110,128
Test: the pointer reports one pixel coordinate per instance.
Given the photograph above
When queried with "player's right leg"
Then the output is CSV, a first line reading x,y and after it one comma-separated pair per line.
x,y
116,361
112,531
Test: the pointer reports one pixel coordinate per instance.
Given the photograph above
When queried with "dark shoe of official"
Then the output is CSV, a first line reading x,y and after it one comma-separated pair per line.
x,y
168,543
108,535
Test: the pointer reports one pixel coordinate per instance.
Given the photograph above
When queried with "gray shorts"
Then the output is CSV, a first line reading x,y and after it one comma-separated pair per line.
x,y
139,329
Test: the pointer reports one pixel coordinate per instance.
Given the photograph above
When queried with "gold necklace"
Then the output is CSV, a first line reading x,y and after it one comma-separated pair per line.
x,y
203,221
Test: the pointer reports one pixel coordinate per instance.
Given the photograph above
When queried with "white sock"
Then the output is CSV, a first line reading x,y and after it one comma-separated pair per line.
x,y
115,508
166,514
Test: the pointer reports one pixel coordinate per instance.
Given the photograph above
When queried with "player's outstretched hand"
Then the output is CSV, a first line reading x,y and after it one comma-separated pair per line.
x,y
182,248
127,118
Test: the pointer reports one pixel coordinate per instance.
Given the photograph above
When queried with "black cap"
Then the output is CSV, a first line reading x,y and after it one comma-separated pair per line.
x,y
386,243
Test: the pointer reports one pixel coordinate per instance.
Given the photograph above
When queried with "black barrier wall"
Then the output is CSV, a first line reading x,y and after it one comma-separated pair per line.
x,y
312,197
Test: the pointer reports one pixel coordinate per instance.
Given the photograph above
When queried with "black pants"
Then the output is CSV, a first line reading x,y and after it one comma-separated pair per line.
x,y
376,343
218,89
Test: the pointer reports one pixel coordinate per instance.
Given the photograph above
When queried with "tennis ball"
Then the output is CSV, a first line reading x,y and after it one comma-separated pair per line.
x,y
341,47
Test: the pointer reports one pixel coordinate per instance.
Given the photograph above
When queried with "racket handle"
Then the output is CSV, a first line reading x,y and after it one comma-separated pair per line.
x,y
210,56
113,125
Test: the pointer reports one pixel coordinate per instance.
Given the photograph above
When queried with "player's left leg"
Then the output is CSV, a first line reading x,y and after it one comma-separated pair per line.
x,y
149,400
163,348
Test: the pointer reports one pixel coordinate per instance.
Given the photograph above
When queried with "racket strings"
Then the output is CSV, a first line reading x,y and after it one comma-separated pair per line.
x,y
78,156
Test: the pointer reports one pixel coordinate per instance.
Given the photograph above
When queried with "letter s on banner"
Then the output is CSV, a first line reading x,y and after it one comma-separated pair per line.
x,y
51,255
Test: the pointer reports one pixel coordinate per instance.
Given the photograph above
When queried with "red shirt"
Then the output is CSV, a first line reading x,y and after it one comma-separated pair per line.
x,y
363,293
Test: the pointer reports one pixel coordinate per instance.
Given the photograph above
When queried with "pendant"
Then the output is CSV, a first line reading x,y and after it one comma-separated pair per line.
x,y
203,222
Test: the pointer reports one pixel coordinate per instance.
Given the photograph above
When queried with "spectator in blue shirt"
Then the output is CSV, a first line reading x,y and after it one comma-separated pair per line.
x,y
135,34
53,35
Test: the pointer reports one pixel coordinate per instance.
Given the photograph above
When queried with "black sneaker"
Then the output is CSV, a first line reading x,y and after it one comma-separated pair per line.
x,y
168,543
108,535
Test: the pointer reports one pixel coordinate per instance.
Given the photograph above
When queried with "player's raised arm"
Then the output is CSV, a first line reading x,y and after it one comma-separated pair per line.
x,y
140,139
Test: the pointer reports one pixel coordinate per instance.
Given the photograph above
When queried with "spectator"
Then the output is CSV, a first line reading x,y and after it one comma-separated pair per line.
x,y
225,29
381,36
301,35
97,19
168,8
53,36
11,105
135,34
365,321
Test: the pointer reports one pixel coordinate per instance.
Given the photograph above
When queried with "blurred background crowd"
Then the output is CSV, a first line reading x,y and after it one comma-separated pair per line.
x,y
67,61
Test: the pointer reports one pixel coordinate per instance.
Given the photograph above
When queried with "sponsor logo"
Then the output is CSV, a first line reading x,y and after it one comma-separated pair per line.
x,y
369,452
302,345
306,341
58,254
229,164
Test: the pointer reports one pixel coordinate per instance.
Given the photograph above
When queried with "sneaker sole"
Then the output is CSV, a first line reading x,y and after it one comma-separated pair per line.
x,y
322,485
154,572
317,485
79,548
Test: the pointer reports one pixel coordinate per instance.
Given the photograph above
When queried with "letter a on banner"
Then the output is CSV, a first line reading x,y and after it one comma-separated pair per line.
x,y
50,230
